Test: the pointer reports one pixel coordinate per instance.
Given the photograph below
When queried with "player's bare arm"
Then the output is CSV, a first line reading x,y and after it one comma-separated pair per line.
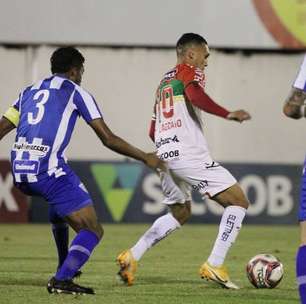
x,y
117,144
5,127
295,104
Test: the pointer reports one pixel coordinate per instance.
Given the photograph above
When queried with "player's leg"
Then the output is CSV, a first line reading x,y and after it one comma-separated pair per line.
x,y
236,204
60,231
223,188
162,227
303,232
180,210
301,253
71,201
60,228
301,264
89,233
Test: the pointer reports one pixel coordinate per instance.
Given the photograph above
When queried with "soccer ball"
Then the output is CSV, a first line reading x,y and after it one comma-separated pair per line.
x,y
265,271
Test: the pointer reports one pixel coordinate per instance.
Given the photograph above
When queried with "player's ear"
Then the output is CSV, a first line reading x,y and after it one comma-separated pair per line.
x,y
72,74
190,54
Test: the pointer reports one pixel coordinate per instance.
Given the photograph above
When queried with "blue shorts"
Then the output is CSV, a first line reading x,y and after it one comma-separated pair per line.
x,y
64,194
302,211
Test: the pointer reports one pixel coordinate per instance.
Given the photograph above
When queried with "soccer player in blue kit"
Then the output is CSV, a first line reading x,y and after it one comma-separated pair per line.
x,y
295,107
44,115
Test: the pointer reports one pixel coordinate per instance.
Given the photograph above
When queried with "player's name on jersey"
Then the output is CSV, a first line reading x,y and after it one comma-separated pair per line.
x,y
170,125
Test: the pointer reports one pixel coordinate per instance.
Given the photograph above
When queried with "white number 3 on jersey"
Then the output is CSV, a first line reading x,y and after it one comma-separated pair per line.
x,y
40,105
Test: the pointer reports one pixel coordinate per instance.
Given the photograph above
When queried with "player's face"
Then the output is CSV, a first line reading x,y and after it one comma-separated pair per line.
x,y
200,56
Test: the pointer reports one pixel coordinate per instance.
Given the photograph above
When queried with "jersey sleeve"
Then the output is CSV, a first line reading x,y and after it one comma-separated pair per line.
x,y
300,81
200,99
152,124
189,74
13,112
86,105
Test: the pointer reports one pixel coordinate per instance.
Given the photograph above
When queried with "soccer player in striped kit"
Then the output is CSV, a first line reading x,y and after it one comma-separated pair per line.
x,y
45,115
295,107
177,132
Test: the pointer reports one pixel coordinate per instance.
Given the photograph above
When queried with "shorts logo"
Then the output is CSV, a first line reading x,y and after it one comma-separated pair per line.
x,y
26,166
165,141
201,185
211,165
117,183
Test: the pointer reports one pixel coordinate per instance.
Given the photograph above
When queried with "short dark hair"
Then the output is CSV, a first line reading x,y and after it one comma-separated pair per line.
x,y
188,39
65,58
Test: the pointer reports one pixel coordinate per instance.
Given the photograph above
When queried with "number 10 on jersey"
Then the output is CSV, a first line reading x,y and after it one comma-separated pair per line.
x,y
166,102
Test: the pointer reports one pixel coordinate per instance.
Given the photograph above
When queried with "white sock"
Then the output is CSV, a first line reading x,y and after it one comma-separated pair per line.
x,y
160,229
228,230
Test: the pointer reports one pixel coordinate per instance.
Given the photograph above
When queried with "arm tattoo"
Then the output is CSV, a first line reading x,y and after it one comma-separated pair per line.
x,y
295,101
297,97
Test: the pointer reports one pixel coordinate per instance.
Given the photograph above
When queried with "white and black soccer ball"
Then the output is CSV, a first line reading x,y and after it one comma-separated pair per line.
x,y
265,271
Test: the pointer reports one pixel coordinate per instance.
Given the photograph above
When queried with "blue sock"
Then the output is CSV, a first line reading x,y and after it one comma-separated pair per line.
x,y
61,237
301,272
79,252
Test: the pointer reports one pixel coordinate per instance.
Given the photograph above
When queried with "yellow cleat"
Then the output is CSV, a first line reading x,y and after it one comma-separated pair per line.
x,y
218,275
128,267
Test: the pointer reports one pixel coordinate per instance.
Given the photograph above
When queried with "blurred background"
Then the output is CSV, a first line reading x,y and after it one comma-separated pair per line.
x,y
256,46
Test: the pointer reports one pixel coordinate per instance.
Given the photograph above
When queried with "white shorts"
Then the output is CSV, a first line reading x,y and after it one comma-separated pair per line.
x,y
177,184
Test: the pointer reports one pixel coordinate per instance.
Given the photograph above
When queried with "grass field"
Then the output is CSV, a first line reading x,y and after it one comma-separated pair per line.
x,y
167,274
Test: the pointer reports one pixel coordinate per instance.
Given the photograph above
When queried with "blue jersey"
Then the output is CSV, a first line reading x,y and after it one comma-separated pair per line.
x,y
48,111
300,81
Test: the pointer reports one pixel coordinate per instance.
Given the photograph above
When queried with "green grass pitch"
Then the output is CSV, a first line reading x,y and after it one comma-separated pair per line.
x,y
168,273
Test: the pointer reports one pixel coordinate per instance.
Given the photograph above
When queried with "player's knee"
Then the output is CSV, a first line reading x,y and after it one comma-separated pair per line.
x,y
100,231
185,216
244,203
181,212
94,226
239,200
97,229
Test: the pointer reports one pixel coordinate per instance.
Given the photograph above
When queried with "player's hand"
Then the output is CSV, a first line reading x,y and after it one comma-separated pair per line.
x,y
153,162
239,115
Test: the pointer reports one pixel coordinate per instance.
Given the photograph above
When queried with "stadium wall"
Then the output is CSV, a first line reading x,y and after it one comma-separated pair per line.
x,y
265,154
124,81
